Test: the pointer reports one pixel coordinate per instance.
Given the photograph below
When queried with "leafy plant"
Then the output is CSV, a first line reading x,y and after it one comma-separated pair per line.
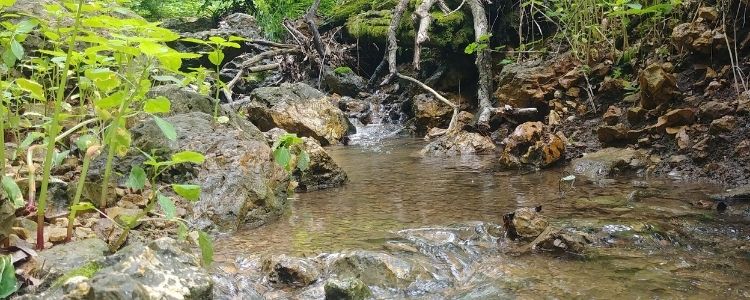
x,y
8,281
289,153
483,42
343,70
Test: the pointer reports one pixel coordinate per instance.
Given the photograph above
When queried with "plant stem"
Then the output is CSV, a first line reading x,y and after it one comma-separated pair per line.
x,y
54,130
90,153
2,139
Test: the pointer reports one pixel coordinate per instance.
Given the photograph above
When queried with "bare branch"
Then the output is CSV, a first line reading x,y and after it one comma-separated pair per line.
x,y
437,95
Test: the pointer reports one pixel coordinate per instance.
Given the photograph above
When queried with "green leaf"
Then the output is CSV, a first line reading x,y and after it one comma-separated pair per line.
x,y
182,231
104,79
7,3
35,89
9,59
8,282
157,105
166,204
207,248
59,157
82,206
16,48
188,156
166,128
217,39
121,141
188,191
13,191
303,161
153,49
137,178
26,26
85,141
282,156
216,57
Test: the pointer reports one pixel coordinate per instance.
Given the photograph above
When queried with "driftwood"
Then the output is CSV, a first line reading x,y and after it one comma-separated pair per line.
x,y
250,66
454,118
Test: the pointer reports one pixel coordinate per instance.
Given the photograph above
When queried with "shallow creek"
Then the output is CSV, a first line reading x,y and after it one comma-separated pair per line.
x,y
651,241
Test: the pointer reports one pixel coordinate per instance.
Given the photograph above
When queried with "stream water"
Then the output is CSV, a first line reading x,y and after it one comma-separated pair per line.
x,y
652,241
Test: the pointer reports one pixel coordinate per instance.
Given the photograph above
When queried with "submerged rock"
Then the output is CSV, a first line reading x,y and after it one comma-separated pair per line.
x,y
297,108
531,144
346,289
162,269
241,184
457,143
524,223
377,269
608,161
561,240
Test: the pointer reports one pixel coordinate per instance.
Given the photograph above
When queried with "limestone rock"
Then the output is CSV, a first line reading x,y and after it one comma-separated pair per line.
x,y
61,259
530,83
346,289
724,124
430,112
183,99
459,143
715,109
241,184
377,269
677,117
290,271
322,173
612,115
343,81
297,108
657,86
608,161
531,144
525,223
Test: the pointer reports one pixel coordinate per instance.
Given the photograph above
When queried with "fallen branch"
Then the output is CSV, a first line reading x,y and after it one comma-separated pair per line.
x,y
230,85
508,110
454,118
310,20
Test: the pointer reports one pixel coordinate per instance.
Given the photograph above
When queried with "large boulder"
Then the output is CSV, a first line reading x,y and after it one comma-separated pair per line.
x,y
430,112
459,142
241,184
531,83
163,269
343,81
297,108
377,269
322,173
59,260
657,86
608,161
531,145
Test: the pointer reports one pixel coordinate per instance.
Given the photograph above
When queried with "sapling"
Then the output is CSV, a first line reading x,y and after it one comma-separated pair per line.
x,y
91,149
54,129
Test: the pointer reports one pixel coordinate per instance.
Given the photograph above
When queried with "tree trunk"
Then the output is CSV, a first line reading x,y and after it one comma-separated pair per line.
x,y
422,21
483,62
398,13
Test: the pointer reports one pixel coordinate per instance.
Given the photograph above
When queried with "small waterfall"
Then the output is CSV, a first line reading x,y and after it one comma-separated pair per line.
x,y
373,134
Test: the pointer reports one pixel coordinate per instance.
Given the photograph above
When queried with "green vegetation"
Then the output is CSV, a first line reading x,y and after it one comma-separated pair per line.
x,y
8,282
343,70
88,270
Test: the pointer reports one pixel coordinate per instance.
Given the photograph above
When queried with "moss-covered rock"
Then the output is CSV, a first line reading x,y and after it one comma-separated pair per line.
x,y
348,8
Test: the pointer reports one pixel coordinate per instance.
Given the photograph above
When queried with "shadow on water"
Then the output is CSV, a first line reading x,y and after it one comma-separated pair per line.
x,y
652,241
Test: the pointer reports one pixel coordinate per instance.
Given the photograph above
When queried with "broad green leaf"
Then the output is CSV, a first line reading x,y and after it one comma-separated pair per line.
x,y
188,156
188,191
237,39
216,57
207,248
85,141
104,79
303,161
8,282
35,89
83,206
6,3
282,156
217,39
16,48
222,120
13,191
196,41
59,157
157,105
26,26
170,62
166,128
166,204
153,49
137,178
121,141
9,59
182,231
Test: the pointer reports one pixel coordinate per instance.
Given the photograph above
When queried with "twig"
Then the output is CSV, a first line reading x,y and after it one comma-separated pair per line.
x,y
437,95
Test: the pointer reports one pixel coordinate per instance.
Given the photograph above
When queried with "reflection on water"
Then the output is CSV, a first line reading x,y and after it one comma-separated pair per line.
x,y
392,189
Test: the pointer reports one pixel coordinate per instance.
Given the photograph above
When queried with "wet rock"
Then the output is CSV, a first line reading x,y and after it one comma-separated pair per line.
x,y
430,112
677,117
296,108
458,143
183,99
636,115
657,86
531,144
61,259
241,184
357,109
561,240
724,124
346,289
162,269
608,161
612,116
377,269
741,193
290,271
77,287
343,81
322,172
524,223
715,109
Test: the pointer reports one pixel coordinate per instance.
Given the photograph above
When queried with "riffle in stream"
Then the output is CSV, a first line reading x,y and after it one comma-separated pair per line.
x,y
431,228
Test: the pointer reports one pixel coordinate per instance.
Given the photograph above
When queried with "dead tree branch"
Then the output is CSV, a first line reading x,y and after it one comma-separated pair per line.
x,y
483,62
422,21
398,13
454,118
310,20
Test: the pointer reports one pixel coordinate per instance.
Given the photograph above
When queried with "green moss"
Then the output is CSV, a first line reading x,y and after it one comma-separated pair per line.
x,y
454,30
348,8
343,70
88,270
